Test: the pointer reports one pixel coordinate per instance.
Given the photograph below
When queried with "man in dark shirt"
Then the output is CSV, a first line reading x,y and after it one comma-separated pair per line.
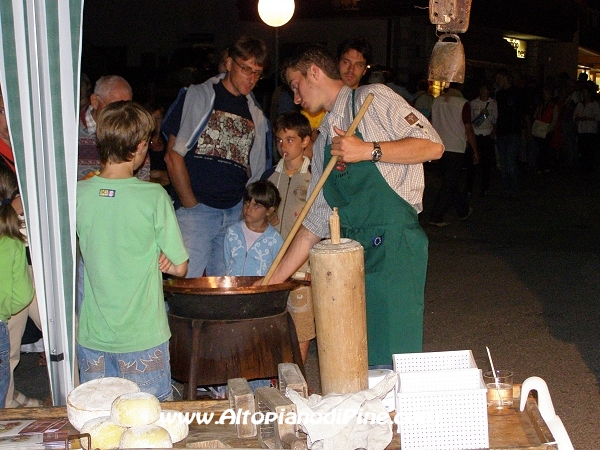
x,y
511,116
354,56
216,148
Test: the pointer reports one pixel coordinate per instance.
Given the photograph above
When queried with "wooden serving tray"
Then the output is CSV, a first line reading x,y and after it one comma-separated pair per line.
x,y
512,431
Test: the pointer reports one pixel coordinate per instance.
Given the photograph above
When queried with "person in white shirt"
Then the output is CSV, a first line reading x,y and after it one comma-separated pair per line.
x,y
451,118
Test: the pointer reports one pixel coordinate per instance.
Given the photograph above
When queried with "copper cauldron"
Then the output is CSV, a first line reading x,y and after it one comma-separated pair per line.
x,y
226,298
224,327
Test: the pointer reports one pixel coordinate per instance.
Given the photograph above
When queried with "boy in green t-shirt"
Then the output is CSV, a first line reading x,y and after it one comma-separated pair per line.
x,y
128,235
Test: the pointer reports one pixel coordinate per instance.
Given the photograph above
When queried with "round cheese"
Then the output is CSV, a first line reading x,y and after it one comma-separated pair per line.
x,y
138,408
175,423
105,434
94,399
146,436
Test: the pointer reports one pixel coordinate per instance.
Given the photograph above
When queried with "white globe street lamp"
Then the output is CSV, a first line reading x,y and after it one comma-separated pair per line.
x,y
276,12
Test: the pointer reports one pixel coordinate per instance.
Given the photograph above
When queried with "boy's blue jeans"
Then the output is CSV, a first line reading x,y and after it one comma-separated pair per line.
x,y
150,369
203,230
4,362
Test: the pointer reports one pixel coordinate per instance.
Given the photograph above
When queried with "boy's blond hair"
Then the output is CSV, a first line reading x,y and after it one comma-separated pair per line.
x,y
120,128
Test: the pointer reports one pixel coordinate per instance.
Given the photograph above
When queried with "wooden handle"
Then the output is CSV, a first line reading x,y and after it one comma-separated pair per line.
x,y
315,192
334,226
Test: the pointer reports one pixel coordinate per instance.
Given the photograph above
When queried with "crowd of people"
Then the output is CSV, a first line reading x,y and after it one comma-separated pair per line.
x,y
521,128
194,188
233,206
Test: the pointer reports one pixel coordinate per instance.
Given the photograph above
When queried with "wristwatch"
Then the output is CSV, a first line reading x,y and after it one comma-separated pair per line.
x,y
376,153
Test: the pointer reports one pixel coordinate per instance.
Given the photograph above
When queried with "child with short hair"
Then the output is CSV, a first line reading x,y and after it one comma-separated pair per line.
x,y
252,244
292,177
16,288
128,235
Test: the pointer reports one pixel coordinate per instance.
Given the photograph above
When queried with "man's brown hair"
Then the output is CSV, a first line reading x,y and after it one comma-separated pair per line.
x,y
247,47
312,54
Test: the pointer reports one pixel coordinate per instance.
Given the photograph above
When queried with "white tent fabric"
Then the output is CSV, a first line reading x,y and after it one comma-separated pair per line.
x,y
40,48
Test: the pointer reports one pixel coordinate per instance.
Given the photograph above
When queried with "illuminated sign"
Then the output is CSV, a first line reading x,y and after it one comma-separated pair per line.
x,y
519,46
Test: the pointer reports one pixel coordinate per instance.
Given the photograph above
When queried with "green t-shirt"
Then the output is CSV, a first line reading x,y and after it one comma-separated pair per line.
x,y
122,225
16,289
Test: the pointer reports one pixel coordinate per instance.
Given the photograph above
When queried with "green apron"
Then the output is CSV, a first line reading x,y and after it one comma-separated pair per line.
x,y
395,245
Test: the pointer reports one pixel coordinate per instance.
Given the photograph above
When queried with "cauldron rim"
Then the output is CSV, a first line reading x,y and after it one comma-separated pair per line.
x,y
224,285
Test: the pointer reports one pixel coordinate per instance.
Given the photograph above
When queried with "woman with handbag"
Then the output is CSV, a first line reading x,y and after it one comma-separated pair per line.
x,y
545,118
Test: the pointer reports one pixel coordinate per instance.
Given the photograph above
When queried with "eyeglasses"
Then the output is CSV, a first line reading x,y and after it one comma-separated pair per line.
x,y
248,71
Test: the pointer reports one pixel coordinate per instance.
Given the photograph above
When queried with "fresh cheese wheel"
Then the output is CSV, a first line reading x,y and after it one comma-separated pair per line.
x,y
146,436
175,423
94,399
138,408
105,434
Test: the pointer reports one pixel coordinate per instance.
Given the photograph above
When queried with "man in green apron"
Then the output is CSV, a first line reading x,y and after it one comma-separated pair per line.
x,y
378,187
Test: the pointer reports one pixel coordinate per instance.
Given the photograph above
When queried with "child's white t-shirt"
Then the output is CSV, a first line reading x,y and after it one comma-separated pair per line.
x,y
249,235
